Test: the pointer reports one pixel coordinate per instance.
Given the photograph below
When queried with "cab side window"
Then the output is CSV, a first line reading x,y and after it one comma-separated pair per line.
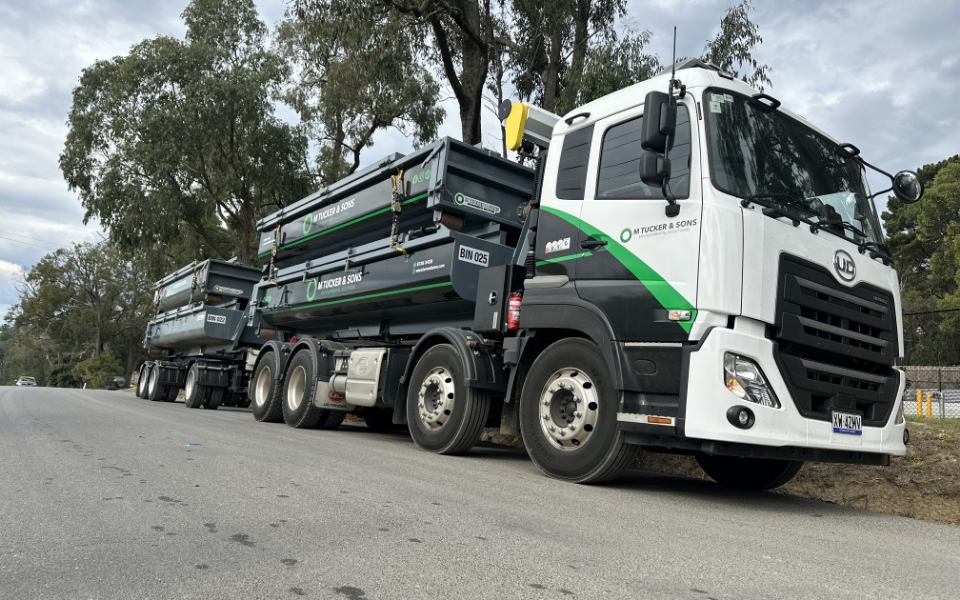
x,y
619,174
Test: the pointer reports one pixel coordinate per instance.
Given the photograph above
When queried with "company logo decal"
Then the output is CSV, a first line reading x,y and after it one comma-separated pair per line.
x,y
486,207
844,265
558,246
657,229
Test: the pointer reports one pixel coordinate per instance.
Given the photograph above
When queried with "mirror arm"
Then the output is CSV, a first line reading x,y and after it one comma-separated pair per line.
x,y
875,194
672,209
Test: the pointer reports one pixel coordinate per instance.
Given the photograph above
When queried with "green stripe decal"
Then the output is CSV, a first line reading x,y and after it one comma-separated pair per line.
x,y
375,213
431,286
550,261
668,297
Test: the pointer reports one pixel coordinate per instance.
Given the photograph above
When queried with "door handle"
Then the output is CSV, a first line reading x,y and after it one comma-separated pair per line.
x,y
591,243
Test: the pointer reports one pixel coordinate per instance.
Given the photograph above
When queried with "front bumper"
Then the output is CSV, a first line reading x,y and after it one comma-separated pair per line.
x,y
706,401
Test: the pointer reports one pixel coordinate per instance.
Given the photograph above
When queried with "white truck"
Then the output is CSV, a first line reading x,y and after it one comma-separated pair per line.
x,y
689,268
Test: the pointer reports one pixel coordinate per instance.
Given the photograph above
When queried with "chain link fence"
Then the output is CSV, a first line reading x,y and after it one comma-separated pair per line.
x,y
932,392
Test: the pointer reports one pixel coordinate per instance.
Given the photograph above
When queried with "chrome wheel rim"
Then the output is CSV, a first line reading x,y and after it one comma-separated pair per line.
x,y
141,382
191,381
262,388
569,406
152,381
295,387
436,398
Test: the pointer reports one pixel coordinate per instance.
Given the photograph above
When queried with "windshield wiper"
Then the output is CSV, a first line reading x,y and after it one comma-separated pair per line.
x,y
791,200
837,223
878,250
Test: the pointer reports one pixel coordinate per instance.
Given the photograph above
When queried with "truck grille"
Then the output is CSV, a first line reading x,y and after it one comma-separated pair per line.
x,y
835,346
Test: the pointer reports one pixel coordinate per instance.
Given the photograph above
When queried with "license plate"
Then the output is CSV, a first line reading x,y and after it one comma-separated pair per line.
x,y
847,423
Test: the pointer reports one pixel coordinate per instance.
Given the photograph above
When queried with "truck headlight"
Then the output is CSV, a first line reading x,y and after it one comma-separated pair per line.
x,y
745,380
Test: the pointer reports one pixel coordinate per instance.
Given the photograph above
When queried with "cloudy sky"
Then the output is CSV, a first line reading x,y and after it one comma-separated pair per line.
x,y
882,74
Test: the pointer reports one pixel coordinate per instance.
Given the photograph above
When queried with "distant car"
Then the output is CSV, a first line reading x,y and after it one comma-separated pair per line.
x,y
116,383
28,381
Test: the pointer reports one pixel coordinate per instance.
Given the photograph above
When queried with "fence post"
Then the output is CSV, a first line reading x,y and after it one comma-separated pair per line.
x,y
943,400
919,402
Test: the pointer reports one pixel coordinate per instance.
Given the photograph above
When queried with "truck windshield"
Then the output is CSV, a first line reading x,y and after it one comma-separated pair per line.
x,y
756,151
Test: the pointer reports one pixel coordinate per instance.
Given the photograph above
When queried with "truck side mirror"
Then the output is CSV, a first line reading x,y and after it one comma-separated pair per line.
x,y
907,187
654,169
659,122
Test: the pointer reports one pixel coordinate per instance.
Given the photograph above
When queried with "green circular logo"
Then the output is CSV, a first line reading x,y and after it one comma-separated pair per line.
x,y
307,223
625,235
311,294
458,198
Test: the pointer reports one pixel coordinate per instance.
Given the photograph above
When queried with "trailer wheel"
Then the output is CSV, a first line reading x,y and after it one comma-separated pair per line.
x,y
267,406
568,415
142,382
213,398
444,415
749,473
299,385
155,391
381,420
171,393
192,391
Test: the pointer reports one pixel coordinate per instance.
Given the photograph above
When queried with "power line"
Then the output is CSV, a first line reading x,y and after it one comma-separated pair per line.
x,y
26,243
30,238
932,312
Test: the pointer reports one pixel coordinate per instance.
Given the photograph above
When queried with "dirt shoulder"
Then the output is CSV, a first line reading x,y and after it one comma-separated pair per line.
x,y
924,484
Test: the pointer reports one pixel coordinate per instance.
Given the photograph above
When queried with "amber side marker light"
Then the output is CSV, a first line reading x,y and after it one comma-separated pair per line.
x,y
660,420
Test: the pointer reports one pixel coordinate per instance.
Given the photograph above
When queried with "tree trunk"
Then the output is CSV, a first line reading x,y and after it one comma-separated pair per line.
x,y
581,34
551,77
475,62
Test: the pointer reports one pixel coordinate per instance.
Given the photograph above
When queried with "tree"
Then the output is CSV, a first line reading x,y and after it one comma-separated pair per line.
x,y
74,304
732,48
176,144
922,238
356,70
95,372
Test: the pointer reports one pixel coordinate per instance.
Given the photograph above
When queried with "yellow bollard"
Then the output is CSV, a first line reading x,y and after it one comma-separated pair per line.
x,y
919,403
929,405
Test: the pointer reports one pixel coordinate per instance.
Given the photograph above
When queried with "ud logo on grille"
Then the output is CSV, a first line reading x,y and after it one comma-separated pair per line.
x,y
844,265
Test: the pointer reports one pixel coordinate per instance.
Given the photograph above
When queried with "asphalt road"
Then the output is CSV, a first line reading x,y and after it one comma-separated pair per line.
x,y
101,496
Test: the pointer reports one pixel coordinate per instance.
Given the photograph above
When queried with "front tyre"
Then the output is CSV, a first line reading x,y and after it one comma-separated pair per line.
x,y
749,473
568,415
444,415
142,381
264,391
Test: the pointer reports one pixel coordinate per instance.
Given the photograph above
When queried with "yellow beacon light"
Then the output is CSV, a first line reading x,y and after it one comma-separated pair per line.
x,y
514,124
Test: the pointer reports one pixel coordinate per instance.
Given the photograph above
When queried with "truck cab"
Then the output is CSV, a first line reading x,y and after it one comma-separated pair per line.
x,y
762,320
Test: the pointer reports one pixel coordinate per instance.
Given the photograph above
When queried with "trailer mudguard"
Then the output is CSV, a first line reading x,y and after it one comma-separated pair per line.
x,y
283,352
321,352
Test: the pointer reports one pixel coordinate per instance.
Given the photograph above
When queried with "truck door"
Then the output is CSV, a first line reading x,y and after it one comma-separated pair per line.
x,y
640,266
558,236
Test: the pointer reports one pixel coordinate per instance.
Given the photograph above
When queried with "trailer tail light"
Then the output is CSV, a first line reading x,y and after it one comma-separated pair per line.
x,y
513,311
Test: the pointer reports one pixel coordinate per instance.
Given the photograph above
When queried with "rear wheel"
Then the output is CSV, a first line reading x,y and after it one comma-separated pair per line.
x,y
155,391
749,473
142,381
568,415
192,391
171,393
298,388
213,398
444,415
264,391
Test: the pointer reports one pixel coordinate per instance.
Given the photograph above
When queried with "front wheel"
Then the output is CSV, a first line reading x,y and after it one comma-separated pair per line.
x,y
568,415
444,415
749,473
